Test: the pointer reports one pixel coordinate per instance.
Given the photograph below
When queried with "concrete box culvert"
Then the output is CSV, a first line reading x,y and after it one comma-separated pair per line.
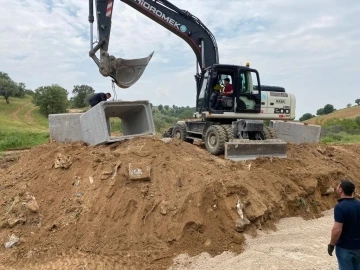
x,y
136,118
65,127
296,132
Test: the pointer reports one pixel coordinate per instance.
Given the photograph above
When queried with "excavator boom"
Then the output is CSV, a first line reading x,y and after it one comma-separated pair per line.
x,y
126,72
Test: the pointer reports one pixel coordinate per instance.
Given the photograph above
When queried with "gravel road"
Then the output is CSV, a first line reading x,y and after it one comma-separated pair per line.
x,y
297,244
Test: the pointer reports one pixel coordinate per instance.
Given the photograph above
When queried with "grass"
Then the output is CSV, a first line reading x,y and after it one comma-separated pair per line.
x,y
21,140
21,124
341,137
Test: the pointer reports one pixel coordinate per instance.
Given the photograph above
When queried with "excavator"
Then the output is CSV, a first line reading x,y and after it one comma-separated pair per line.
x,y
229,123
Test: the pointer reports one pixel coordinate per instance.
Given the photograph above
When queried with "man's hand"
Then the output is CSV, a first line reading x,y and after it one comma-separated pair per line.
x,y
330,249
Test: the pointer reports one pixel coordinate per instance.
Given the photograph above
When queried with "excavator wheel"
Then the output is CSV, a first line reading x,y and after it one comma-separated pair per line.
x,y
215,138
229,132
179,132
269,133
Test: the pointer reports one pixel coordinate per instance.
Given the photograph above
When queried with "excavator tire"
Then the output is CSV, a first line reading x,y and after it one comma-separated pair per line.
x,y
215,138
179,132
229,132
269,133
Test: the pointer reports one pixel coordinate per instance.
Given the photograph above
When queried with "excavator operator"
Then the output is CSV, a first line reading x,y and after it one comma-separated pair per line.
x,y
228,89
227,92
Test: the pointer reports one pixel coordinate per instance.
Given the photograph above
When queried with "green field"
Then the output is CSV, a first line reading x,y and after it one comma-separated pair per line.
x,y
21,124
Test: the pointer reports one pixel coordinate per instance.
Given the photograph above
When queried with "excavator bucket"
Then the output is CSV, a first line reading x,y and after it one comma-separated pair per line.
x,y
242,149
128,71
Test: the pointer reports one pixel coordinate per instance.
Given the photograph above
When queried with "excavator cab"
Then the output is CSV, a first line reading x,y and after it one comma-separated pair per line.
x,y
244,99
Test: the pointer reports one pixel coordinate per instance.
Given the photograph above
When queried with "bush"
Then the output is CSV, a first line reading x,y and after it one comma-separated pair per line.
x,y
306,116
51,99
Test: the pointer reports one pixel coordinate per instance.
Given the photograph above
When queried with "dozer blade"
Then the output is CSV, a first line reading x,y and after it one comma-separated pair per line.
x,y
241,149
128,71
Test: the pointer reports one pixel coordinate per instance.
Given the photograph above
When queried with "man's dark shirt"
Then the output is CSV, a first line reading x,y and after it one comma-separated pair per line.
x,y
347,212
97,98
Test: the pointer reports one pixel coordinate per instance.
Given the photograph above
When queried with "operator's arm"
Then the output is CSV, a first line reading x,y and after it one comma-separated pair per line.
x,y
337,229
335,233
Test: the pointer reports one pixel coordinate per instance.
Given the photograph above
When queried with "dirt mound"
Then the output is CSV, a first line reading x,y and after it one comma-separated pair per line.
x,y
139,203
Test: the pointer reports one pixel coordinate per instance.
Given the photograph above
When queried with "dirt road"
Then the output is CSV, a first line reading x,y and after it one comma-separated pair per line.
x,y
297,244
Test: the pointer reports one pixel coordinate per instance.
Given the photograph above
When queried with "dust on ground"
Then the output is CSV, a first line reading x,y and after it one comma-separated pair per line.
x,y
140,203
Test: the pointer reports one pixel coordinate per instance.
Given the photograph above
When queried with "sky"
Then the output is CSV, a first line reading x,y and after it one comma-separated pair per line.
x,y
309,47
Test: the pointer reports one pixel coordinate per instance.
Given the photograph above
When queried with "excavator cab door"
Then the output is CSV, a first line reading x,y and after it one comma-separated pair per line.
x,y
202,93
248,99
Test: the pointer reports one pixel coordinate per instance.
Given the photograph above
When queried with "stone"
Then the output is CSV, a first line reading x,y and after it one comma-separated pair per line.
x,y
241,224
328,191
62,161
32,205
139,171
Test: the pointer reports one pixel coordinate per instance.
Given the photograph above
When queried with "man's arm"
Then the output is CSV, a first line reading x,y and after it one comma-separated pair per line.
x,y
335,233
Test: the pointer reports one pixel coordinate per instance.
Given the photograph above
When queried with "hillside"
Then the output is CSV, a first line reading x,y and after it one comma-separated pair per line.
x,y
346,113
21,124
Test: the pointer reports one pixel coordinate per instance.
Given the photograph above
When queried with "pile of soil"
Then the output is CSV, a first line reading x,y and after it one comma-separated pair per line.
x,y
138,204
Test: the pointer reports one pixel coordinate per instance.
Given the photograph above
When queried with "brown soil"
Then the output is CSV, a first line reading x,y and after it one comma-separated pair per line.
x,y
73,206
347,113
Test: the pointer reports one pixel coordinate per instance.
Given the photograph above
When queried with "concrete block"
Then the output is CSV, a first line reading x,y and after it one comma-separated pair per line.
x,y
65,127
136,117
296,132
139,171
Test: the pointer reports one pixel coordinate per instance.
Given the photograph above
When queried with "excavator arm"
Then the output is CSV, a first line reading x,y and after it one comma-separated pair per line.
x,y
180,22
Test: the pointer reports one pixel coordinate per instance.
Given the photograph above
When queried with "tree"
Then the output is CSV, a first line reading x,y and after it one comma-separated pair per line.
x,y
20,93
349,105
306,116
320,111
166,107
160,107
357,101
51,99
8,87
328,108
81,95
357,120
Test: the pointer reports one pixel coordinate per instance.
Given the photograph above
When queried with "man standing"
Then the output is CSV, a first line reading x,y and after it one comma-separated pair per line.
x,y
345,234
98,97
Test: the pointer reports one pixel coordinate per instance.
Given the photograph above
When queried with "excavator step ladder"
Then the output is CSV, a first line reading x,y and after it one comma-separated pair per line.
x,y
243,149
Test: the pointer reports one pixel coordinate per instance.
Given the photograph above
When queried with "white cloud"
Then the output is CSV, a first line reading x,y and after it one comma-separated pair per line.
x,y
309,47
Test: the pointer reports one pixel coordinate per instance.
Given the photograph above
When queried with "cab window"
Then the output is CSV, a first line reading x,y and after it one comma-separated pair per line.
x,y
248,80
204,84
